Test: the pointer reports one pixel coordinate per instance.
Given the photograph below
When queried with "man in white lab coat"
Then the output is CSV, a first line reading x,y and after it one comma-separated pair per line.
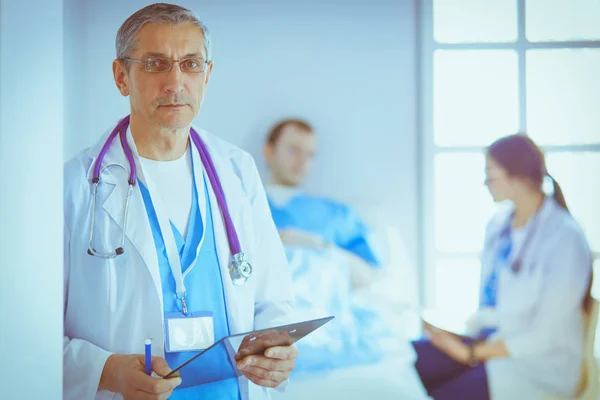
x,y
175,220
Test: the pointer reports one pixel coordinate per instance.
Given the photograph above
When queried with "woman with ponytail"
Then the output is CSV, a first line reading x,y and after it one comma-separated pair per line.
x,y
527,337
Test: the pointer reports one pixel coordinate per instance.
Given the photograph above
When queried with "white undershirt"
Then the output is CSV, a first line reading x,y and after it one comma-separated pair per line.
x,y
173,181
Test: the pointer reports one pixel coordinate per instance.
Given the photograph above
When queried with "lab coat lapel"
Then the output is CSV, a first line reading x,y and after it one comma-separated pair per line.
x,y
232,188
138,229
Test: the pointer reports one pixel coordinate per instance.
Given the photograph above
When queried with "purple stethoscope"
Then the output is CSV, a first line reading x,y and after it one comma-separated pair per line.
x,y
239,269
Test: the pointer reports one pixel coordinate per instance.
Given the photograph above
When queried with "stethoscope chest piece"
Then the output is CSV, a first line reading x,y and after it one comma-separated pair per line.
x,y
239,269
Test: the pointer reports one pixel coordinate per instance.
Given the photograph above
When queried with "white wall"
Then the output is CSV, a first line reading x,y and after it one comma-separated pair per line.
x,y
31,223
348,67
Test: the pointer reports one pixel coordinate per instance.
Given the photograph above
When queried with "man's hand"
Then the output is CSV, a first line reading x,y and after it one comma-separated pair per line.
x,y
271,369
125,374
361,273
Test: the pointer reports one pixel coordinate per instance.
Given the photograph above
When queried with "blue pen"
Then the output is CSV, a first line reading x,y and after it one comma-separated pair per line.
x,y
148,346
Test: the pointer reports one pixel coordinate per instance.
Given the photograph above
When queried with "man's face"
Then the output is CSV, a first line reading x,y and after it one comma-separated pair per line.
x,y
291,156
168,100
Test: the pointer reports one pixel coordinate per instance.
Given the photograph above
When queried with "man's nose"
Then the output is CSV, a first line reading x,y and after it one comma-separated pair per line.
x,y
175,79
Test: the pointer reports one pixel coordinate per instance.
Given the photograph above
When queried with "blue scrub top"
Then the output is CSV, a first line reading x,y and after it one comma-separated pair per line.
x,y
335,223
204,287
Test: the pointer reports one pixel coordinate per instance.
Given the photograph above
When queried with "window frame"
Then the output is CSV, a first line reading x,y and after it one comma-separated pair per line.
x,y
428,254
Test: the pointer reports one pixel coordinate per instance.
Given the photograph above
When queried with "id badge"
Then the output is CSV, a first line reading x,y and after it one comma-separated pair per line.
x,y
192,332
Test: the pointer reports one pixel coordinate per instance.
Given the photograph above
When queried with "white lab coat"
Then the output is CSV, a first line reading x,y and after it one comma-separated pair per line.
x,y
112,305
538,311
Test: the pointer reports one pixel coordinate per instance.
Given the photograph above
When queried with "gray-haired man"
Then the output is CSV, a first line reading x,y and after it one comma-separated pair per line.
x,y
168,235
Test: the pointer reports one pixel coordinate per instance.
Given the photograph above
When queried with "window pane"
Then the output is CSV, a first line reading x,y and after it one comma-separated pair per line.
x,y
563,93
562,20
457,285
469,21
578,176
462,203
475,96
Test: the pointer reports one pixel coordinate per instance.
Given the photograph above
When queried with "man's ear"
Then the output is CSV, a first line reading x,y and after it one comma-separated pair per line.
x,y
268,151
121,77
208,73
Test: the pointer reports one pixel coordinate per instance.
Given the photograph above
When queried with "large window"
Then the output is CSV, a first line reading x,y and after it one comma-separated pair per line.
x,y
492,68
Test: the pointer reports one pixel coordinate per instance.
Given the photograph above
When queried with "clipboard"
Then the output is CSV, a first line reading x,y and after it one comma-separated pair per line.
x,y
230,349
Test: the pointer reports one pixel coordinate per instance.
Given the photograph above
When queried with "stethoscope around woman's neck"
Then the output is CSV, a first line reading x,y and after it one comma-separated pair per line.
x,y
239,269
534,221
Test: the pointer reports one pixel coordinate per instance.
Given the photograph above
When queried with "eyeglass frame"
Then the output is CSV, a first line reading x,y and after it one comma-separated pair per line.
x,y
146,60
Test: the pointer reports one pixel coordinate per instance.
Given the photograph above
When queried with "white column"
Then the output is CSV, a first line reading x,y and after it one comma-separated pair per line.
x,y
31,211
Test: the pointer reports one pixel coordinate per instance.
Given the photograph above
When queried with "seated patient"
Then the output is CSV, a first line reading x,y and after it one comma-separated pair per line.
x,y
313,221
332,254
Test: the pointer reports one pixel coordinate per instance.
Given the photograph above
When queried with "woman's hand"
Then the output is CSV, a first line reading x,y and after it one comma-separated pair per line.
x,y
448,343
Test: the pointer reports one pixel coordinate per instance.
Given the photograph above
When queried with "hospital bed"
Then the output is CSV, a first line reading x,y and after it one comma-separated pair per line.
x,y
390,379
382,366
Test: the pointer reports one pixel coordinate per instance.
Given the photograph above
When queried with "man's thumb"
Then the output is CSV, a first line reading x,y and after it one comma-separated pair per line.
x,y
160,366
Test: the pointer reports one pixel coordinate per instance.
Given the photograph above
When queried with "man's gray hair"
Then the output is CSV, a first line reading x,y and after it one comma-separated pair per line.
x,y
159,13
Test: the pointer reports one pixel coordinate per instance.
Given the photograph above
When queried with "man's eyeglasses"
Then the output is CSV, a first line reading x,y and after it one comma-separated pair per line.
x,y
163,64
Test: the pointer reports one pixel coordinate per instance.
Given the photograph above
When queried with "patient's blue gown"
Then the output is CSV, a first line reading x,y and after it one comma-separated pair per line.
x,y
335,223
322,283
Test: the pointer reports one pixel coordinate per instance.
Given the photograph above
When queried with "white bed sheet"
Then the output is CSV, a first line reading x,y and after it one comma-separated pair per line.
x,y
389,379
